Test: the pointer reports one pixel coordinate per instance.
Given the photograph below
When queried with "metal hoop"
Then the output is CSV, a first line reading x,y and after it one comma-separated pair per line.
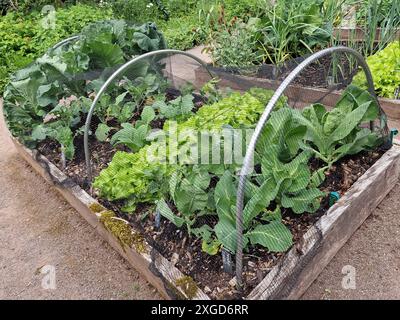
x,y
260,125
62,42
110,80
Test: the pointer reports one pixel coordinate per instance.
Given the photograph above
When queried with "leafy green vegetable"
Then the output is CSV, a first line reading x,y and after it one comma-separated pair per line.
x,y
133,177
38,90
166,212
274,236
102,132
132,137
178,109
385,69
337,133
282,178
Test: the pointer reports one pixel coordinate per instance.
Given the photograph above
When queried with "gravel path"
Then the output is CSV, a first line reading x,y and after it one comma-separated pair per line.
x,y
373,251
38,228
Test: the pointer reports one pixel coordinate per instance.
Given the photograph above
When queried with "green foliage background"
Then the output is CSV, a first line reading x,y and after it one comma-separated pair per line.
x,y
23,38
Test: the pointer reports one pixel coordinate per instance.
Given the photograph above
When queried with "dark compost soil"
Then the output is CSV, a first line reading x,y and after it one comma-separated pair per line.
x,y
175,244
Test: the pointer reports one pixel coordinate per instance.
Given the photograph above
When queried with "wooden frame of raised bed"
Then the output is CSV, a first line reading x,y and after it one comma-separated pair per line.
x,y
357,34
293,274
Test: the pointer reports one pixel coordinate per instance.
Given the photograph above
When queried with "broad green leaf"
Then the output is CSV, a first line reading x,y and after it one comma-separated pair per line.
x,y
134,138
65,137
225,196
260,200
315,114
102,132
314,128
166,212
200,179
190,200
332,120
187,104
173,182
275,236
364,139
47,94
293,137
350,122
120,98
300,179
318,177
106,54
148,114
227,235
304,201
126,112
144,42
40,133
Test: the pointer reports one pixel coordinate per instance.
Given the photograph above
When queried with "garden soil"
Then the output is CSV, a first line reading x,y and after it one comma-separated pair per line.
x,y
38,228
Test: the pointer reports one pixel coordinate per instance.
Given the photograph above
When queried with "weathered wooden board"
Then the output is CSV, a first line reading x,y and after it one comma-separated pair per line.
x,y
290,278
160,272
358,34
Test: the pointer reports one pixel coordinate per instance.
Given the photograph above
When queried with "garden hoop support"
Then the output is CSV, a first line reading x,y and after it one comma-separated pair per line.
x,y
111,79
257,132
65,41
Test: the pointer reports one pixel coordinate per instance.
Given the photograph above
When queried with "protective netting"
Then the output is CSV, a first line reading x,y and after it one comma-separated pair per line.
x,y
338,121
223,170
182,187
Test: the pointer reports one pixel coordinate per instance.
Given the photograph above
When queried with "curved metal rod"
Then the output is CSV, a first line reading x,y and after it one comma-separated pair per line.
x,y
62,42
260,125
110,80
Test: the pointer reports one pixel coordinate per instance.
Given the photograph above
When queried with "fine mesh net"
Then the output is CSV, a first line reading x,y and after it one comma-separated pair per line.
x,y
176,139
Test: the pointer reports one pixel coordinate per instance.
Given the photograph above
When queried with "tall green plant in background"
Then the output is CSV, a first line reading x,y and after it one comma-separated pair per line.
x,y
279,31
23,37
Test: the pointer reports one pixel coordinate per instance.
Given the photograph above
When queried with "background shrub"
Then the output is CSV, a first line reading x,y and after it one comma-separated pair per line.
x,y
23,37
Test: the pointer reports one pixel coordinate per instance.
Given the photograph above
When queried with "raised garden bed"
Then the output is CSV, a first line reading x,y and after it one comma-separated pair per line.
x,y
298,95
175,222
294,271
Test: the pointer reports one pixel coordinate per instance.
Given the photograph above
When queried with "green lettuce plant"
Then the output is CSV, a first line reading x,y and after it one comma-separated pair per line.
x,y
385,69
